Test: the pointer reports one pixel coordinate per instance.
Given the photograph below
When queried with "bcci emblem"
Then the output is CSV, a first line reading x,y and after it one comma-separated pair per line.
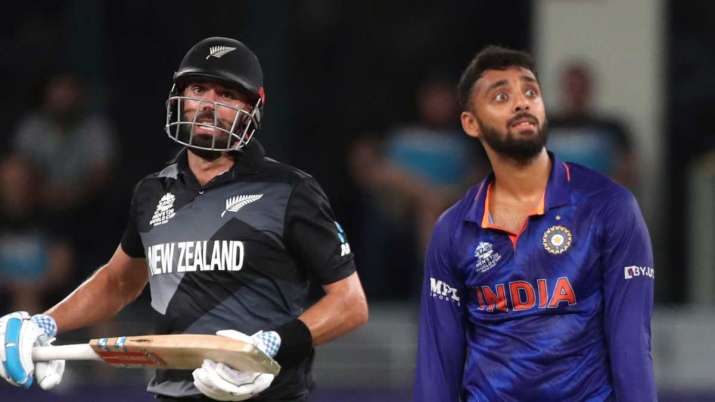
x,y
487,258
557,239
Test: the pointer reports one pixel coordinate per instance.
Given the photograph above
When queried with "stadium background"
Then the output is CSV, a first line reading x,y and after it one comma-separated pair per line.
x,y
337,70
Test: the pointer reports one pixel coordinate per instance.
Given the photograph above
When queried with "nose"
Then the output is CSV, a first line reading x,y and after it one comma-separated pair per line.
x,y
207,100
521,103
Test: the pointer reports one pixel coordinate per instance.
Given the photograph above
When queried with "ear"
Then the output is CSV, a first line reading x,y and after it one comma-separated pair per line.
x,y
470,125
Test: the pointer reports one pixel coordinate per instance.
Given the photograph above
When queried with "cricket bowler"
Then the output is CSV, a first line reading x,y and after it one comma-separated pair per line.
x,y
538,284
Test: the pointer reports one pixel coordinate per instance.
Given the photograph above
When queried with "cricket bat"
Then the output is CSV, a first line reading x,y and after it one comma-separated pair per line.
x,y
183,351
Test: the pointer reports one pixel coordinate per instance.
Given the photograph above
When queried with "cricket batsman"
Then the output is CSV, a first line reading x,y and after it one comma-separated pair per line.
x,y
538,284
228,240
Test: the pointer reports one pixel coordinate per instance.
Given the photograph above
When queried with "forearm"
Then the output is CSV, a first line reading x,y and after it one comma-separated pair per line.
x,y
91,302
103,295
338,312
331,317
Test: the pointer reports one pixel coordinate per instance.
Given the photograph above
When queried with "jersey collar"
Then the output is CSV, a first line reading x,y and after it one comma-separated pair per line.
x,y
247,161
558,192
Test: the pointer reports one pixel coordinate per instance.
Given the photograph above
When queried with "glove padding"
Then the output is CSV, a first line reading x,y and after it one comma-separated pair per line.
x,y
222,383
19,333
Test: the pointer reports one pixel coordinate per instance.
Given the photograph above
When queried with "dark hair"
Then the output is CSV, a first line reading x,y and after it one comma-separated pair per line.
x,y
490,58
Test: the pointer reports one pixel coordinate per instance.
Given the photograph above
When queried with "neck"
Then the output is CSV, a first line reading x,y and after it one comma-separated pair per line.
x,y
518,180
205,170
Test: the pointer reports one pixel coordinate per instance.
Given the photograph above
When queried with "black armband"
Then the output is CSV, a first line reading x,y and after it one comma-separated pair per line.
x,y
296,343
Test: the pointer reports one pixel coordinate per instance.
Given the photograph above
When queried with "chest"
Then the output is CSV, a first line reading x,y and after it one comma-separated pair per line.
x,y
201,226
555,262
512,218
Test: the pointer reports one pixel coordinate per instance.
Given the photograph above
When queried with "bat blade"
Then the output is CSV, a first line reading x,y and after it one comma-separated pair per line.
x,y
182,351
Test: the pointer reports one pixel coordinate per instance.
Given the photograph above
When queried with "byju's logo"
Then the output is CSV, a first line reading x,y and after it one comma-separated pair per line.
x,y
634,271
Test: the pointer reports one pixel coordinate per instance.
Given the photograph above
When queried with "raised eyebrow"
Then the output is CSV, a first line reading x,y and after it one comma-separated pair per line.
x,y
529,79
496,85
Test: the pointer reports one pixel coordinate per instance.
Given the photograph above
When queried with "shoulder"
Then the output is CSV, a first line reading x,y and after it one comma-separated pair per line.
x,y
276,171
450,220
157,180
32,124
592,187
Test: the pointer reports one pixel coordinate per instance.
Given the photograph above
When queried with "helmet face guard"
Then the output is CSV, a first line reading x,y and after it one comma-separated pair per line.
x,y
230,63
231,137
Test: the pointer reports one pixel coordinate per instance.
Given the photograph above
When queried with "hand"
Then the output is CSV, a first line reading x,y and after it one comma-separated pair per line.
x,y
220,382
19,333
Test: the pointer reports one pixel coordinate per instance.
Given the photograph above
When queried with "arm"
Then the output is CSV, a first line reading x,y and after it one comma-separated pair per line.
x,y
318,243
442,342
104,294
342,309
628,295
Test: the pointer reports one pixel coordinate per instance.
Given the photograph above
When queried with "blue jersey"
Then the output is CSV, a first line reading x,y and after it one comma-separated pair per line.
x,y
558,312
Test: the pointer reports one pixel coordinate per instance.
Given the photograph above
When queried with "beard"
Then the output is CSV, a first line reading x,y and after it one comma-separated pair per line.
x,y
187,132
510,145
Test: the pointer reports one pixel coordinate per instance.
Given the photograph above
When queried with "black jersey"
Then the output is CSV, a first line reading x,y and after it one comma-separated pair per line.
x,y
237,253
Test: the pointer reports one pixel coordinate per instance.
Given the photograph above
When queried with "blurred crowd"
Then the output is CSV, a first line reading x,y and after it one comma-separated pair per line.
x,y
62,158
58,163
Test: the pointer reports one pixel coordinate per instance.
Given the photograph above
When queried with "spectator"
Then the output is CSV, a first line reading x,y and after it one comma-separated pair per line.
x,y
408,180
74,149
579,135
33,265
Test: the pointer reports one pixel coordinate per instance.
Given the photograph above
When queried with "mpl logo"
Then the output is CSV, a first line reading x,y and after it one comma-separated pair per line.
x,y
443,291
634,271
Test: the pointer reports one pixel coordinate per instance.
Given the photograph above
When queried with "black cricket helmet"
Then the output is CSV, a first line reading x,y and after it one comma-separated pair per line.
x,y
227,62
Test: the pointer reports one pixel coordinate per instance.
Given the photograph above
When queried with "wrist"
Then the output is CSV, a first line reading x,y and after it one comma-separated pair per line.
x,y
296,343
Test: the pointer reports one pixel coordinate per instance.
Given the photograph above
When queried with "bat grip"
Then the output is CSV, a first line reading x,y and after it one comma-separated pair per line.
x,y
65,352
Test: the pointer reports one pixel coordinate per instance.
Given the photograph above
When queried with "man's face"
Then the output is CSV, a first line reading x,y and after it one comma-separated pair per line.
x,y
214,108
507,113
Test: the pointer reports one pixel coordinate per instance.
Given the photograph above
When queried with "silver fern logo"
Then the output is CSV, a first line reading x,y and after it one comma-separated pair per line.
x,y
233,204
219,51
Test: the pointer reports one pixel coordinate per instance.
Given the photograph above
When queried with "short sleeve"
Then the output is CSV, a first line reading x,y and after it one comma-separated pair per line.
x,y
313,235
131,242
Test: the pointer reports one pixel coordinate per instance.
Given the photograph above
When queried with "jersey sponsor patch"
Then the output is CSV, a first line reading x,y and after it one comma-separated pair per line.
x,y
233,204
487,258
164,210
344,246
443,291
557,239
193,256
634,271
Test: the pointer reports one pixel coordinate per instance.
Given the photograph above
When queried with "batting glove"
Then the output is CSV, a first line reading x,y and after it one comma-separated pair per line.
x,y
19,333
222,383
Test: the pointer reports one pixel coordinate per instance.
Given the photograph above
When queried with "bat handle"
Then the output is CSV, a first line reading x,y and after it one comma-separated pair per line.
x,y
65,352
